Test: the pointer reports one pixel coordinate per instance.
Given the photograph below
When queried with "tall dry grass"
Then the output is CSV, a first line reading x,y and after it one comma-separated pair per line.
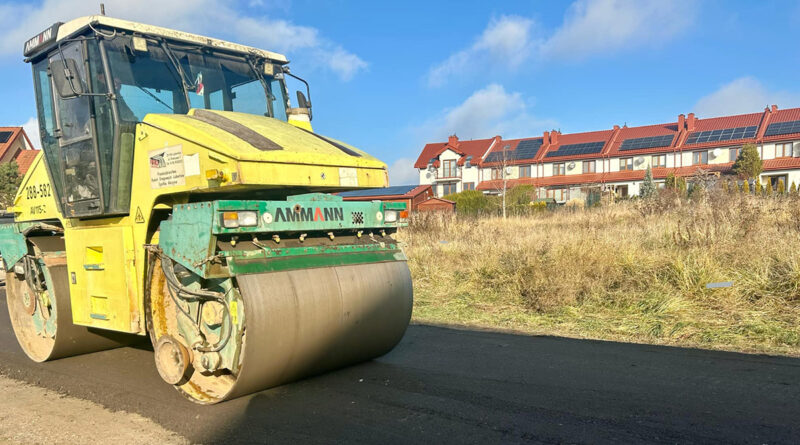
x,y
634,271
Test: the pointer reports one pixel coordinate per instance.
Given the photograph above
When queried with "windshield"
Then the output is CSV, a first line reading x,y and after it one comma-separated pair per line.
x,y
150,82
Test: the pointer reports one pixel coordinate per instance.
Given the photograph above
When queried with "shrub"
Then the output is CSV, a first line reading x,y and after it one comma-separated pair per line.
x,y
793,189
749,164
746,187
768,189
471,202
781,187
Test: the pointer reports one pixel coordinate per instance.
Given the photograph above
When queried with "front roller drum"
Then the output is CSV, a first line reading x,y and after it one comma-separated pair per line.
x,y
41,314
296,324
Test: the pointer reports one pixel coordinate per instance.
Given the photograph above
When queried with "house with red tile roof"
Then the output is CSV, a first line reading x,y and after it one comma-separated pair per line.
x,y
566,166
15,146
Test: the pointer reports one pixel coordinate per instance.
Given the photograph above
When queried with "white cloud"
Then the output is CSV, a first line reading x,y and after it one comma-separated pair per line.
x,y
742,95
208,17
590,28
506,41
487,112
601,26
402,172
31,127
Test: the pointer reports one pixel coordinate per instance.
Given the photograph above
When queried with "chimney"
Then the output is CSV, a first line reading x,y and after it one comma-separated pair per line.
x,y
453,141
616,127
681,122
554,137
774,108
545,138
690,122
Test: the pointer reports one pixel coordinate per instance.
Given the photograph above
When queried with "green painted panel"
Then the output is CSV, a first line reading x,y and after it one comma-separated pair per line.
x,y
241,267
189,236
12,244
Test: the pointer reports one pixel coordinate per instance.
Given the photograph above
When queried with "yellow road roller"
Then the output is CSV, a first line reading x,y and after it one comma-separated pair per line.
x,y
180,195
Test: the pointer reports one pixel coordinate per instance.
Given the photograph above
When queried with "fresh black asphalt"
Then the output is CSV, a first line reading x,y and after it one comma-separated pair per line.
x,y
445,385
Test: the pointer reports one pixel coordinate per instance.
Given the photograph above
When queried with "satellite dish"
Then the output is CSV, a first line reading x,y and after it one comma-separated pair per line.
x,y
571,165
715,152
508,170
639,161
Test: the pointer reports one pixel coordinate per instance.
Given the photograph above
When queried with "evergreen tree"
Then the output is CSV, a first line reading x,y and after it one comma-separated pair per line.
x,y
681,185
671,182
758,188
746,187
749,164
725,186
648,188
9,183
781,187
768,189
793,188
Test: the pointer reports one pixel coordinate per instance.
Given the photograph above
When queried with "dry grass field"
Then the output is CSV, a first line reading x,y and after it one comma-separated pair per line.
x,y
634,271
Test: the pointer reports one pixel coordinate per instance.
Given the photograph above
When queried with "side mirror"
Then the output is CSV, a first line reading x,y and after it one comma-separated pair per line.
x,y
302,102
66,77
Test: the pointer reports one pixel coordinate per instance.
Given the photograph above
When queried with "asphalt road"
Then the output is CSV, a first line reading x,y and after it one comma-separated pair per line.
x,y
458,386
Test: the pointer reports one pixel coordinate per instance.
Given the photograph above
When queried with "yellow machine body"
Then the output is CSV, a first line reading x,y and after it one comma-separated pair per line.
x,y
105,257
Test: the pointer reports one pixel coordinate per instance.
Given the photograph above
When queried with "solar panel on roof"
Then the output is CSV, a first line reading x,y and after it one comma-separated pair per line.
x,y
779,128
396,190
577,149
727,134
5,136
647,142
526,149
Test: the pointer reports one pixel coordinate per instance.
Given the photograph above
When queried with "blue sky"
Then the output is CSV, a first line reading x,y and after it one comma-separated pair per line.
x,y
390,76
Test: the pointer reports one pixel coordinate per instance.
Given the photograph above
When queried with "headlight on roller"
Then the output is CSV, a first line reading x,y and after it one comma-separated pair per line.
x,y
390,216
232,220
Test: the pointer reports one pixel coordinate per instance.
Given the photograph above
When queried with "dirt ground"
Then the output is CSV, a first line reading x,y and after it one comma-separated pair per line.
x,y
33,415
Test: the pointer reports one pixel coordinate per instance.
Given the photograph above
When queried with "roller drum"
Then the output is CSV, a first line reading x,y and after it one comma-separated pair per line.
x,y
69,339
308,321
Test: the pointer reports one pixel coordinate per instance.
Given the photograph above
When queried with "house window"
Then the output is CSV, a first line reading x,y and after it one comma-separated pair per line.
x,y
733,153
449,169
700,157
589,166
559,170
449,189
557,194
525,171
658,161
497,173
783,150
625,164
468,186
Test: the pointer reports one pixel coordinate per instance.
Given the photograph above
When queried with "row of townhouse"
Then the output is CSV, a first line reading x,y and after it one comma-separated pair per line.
x,y
566,166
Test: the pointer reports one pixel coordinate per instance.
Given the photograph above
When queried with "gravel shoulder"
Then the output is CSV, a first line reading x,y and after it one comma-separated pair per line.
x,y
23,407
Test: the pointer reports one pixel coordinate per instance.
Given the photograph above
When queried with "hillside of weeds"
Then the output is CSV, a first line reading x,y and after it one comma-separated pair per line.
x,y
635,271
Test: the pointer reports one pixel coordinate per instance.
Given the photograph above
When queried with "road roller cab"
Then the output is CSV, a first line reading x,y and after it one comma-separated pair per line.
x,y
180,195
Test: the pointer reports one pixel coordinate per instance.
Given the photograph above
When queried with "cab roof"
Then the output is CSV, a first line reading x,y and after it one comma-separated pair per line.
x,y
68,29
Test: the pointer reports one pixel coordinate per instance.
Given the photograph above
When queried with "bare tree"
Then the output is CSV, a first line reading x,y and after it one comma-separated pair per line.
x,y
505,160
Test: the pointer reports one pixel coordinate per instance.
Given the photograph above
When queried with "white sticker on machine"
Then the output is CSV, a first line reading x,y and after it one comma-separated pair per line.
x,y
166,167
191,164
348,177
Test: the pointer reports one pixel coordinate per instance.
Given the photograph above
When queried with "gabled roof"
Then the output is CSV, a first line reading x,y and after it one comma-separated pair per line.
x,y
779,116
8,135
395,192
575,138
646,131
723,123
475,148
24,160
512,156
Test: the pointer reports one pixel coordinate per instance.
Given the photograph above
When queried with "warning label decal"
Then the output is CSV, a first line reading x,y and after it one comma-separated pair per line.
x,y
139,216
166,167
